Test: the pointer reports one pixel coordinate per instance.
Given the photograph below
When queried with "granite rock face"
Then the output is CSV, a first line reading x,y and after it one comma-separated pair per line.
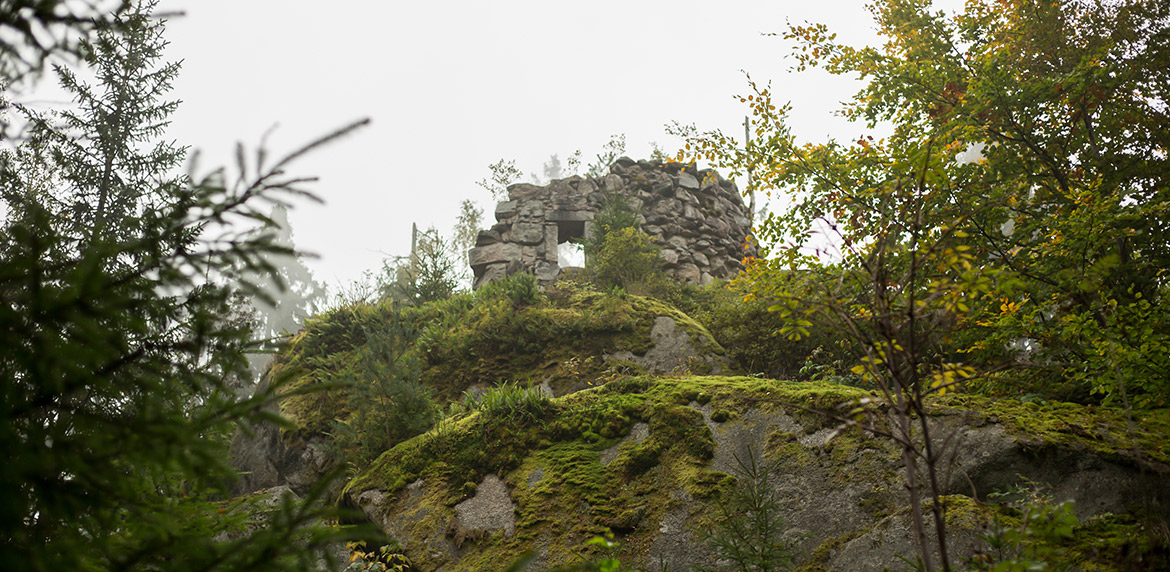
x,y
841,497
266,460
697,217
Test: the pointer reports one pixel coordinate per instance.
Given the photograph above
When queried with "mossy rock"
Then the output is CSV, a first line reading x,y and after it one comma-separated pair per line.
x,y
565,484
572,339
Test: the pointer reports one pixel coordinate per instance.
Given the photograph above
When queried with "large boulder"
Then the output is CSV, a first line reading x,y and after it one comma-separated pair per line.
x,y
267,460
650,458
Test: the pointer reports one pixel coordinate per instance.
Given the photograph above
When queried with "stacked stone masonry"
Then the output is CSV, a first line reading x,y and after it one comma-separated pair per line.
x,y
697,217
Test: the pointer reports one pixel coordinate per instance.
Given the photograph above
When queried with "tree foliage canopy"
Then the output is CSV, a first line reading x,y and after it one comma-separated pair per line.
x,y
1032,136
119,341
1014,219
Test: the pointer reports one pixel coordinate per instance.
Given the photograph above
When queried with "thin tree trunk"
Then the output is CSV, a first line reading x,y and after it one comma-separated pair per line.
x,y
747,140
937,508
908,458
110,141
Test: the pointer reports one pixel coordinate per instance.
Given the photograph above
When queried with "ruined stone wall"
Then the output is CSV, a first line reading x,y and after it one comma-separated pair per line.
x,y
697,217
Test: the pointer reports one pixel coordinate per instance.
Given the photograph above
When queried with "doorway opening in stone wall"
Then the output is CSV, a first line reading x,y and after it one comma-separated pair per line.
x,y
570,253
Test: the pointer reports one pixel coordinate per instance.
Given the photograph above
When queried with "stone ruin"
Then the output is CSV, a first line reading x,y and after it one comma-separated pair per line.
x,y
697,217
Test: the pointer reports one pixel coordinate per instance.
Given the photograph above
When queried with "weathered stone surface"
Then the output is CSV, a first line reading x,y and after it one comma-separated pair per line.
x,y
522,190
532,210
262,505
669,207
551,234
841,497
498,252
491,508
492,272
704,226
528,232
586,187
507,209
546,271
486,237
267,461
673,351
688,273
569,216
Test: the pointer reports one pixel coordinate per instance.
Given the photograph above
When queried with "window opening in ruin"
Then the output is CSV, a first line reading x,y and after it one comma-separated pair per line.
x,y
570,253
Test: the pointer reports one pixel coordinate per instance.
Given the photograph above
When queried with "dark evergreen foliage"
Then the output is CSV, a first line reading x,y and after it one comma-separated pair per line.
x,y
119,342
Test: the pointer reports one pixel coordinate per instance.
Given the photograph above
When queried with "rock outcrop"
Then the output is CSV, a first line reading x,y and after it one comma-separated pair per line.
x,y
267,460
649,458
638,439
566,340
697,217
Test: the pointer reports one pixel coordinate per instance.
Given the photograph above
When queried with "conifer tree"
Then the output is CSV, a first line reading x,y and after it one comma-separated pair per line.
x,y
31,31
118,341
427,275
108,150
288,294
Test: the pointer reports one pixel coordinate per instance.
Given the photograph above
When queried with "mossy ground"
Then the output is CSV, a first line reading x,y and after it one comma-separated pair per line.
x,y
1138,438
476,340
565,495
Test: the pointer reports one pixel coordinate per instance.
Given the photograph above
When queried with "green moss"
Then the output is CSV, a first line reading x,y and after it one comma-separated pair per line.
x,y
562,338
564,495
475,340
1121,542
703,484
1105,431
311,372
551,463
964,513
563,492
785,445
878,502
312,395
822,553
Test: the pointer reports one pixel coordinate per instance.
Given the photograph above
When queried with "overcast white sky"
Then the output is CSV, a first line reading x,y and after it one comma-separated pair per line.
x,y
453,86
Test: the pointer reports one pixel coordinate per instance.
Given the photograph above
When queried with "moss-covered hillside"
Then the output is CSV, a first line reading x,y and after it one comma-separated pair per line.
x,y
565,339
571,412
650,457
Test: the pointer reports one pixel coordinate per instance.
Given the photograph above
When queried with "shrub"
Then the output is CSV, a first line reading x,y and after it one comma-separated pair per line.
x,y
749,530
520,290
512,402
752,334
1033,544
613,215
628,259
429,274
389,403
